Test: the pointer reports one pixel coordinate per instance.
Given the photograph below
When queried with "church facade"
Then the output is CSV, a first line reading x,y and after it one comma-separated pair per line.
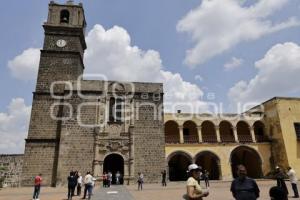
x,y
88,125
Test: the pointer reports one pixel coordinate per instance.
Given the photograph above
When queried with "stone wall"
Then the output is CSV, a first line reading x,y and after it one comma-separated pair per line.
x,y
149,141
76,148
41,148
40,158
13,169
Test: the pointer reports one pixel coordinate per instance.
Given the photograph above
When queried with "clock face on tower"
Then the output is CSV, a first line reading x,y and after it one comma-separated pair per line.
x,y
61,43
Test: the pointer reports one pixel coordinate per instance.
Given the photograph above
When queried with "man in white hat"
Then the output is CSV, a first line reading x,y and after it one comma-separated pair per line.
x,y
194,190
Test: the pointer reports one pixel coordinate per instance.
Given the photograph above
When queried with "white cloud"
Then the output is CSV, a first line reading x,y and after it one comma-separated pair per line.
x,y
25,65
199,77
278,75
217,25
14,126
233,63
110,53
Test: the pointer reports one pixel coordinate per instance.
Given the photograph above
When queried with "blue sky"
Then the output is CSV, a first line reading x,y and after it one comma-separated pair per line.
x,y
169,28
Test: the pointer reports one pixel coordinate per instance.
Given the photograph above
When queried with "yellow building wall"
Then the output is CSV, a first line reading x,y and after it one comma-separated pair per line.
x,y
223,151
274,131
289,113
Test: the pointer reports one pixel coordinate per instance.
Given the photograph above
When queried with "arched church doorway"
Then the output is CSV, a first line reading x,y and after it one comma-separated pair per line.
x,y
248,157
114,163
178,165
211,163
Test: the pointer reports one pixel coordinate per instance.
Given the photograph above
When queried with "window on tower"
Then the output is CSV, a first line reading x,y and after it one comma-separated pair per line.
x,y
297,130
115,109
119,105
112,103
64,16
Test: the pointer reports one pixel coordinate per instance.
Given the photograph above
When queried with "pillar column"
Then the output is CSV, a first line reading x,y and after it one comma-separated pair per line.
x,y
252,134
200,140
98,168
236,138
218,133
126,168
181,139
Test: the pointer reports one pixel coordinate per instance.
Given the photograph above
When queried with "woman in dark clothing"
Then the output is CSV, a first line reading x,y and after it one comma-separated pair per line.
x,y
277,193
76,177
279,175
164,178
71,185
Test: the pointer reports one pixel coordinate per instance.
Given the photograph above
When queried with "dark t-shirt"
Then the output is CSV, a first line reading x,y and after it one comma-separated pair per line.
x,y
164,175
246,189
72,182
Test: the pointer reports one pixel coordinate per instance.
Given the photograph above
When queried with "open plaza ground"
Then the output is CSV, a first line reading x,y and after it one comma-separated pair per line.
x,y
219,190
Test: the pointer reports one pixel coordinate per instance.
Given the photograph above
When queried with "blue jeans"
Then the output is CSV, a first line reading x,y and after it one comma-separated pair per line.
x,y
295,189
89,190
36,192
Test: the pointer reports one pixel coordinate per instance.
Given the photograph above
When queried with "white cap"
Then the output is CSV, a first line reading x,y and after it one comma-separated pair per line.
x,y
192,167
277,167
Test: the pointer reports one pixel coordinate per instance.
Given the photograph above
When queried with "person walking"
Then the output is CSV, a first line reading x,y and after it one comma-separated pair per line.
x,y
79,184
194,190
118,176
109,178
164,178
293,179
279,175
206,178
71,184
140,181
243,187
104,178
37,187
88,183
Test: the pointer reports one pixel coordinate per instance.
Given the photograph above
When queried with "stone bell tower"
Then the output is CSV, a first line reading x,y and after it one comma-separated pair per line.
x,y
61,60
64,45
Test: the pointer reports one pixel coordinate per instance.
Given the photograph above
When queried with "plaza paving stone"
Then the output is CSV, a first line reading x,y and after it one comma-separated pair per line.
x,y
174,191
112,193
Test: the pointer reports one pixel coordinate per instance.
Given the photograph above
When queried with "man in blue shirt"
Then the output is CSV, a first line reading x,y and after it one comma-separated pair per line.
x,y
243,187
